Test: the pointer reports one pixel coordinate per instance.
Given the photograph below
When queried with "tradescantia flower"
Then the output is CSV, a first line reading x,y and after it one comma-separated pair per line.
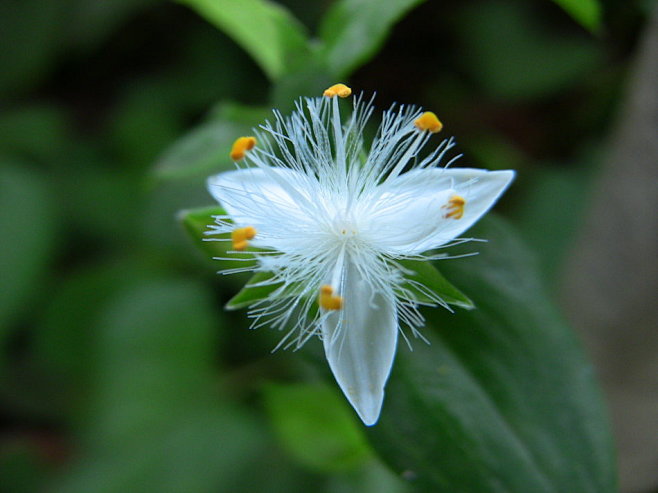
x,y
331,222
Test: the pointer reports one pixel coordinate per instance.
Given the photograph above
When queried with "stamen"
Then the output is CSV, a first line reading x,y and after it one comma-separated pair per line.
x,y
241,236
455,207
340,90
428,121
241,146
328,300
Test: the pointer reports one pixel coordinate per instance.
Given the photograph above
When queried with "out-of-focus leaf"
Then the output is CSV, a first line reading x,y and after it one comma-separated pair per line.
x,y
267,31
525,60
353,30
38,132
21,468
29,41
158,421
315,427
63,341
425,274
93,22
27,222
144,122
205,150
585,12
544,197
372,477
502,399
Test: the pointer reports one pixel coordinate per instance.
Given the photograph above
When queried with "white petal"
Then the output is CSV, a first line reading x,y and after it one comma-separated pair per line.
x,y
275,201
360,341
409,215
245,193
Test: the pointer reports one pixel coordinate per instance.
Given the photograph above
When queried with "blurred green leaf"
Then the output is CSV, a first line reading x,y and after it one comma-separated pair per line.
x,y
353,31
63,342
424,273
28,225
29,40
267,31
529,58
315,427
159,423
205,150
21,467
585,12
502,399
544,196
36,131
93,22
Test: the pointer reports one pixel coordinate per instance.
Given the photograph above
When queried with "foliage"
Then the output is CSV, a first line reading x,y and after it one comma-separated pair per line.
x,y
119,368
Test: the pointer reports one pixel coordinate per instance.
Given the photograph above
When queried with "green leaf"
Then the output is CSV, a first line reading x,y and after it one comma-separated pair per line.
x,y
503,398
268,32
353,31
585,12
196,222
156,421
28,224
495,57
316,427
216,247
205,150
428,275
251,292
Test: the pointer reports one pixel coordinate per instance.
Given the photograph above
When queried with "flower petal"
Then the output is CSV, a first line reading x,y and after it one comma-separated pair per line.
x,y
411,212
360,341
247,193
272,200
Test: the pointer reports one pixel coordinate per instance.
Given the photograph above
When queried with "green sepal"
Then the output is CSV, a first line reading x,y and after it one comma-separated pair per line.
x,y
424,272
217,246
252,292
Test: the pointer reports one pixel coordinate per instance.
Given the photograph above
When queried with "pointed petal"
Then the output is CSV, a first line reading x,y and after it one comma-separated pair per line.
x,y
411,215
247,192
274,201
360,341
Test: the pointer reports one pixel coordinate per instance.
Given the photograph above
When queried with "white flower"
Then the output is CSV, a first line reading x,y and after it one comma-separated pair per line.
x,y
331,220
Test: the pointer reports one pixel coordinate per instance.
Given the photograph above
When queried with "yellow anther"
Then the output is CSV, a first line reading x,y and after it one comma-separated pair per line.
x,y
241,236
428,121
240,146
455,207
328,300
340,90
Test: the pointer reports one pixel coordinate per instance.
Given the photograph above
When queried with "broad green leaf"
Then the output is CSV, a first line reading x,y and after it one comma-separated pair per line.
x,y
353,30
503,398
205,150
585,12
268,32
315,427
428,275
